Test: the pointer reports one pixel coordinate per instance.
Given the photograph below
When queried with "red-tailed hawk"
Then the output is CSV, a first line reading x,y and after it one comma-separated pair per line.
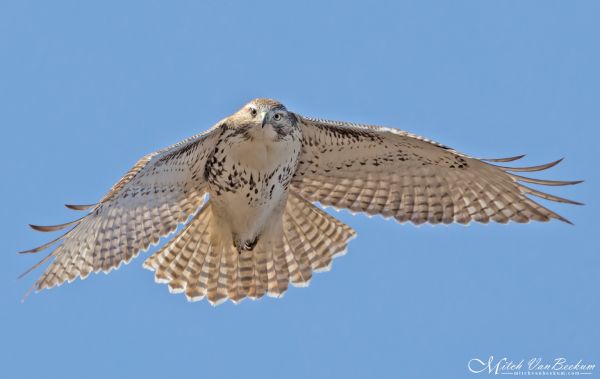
x,y
257,230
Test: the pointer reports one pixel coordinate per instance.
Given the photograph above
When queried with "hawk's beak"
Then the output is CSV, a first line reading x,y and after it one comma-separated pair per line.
x,y
264,118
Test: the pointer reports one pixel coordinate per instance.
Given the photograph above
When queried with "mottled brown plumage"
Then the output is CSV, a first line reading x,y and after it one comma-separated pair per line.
x,y
258,231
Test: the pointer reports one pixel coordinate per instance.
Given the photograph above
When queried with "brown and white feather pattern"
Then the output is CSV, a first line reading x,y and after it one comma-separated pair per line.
x,y
258,231
396,174
158,193
194,263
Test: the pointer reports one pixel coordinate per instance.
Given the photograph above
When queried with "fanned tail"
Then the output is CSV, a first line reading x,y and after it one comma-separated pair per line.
x,y
190,261
312,239
202,265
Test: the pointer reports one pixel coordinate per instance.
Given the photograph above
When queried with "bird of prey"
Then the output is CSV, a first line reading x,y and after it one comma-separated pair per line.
x,y
245,188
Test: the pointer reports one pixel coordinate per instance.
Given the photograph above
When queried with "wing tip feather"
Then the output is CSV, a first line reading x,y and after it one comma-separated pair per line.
x,y
503,160
541,167
79,207
53,228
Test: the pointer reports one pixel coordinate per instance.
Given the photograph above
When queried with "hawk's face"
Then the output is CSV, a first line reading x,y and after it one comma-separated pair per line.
x,y
265,119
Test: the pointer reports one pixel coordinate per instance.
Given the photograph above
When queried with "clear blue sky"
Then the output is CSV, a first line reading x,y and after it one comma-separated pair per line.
x,y
85,90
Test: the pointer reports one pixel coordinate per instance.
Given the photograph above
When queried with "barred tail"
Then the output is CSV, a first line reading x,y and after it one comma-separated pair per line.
x,y
202,265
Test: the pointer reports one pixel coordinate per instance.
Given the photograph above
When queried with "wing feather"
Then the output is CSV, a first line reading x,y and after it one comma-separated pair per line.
x,y
393,173
156,195
80,207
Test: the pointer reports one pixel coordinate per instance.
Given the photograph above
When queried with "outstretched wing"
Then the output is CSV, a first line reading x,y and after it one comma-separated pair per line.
x,y
396,174
157,194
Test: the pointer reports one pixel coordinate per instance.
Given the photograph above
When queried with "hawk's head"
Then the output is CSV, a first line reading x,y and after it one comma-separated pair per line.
x,y
265,118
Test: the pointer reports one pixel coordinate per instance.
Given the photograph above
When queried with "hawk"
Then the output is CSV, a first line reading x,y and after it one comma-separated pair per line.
x,y
245,188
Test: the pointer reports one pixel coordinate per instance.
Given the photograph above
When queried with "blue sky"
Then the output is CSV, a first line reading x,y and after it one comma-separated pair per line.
x,y
87,89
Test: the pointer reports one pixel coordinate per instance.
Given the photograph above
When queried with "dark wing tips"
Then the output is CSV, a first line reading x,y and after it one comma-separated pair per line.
x,y
565,220
546,182
42,247
53,228
36,265
503,160
50,228
47,244
531,168
530,191
546,196
79,207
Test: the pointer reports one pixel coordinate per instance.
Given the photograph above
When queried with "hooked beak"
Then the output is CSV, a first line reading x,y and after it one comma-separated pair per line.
x,y
264,118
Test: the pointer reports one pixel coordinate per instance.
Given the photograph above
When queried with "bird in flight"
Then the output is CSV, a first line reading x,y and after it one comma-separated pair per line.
x,y
245,188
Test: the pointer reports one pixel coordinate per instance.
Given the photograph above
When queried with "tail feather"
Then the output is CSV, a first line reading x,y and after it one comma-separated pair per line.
x,y
179,262
300,250
204,276
263,274
246,275
234,291
278,273
201,265
324,236
215,293
290,261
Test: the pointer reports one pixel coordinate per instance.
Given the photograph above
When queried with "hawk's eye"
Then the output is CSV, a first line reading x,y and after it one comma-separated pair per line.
x,y
277,117
253,112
